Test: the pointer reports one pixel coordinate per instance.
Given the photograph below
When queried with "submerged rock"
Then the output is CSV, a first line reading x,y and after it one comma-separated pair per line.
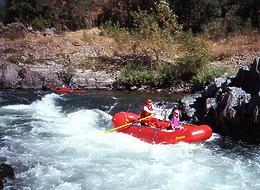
x,y
6,171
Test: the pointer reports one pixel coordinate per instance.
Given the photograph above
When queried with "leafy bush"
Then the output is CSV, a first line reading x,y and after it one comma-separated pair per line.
x,y
169,75
208,74
152,35
76,14
142,75
193,14
215,28
194,56
40,22
162,42
136,76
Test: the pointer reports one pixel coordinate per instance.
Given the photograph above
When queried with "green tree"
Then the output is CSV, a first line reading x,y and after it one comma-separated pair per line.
x,y
250,9
73,14
120,11
27,11
193,14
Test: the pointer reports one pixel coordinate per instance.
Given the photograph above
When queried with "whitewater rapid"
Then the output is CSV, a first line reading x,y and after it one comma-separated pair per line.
x,y
51,148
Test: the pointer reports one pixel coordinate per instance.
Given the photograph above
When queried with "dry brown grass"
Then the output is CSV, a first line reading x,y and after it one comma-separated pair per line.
x,y
75,37
226,48
49,46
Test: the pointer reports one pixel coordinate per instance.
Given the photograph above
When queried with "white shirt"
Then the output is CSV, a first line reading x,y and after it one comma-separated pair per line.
x,y
157,112
149,111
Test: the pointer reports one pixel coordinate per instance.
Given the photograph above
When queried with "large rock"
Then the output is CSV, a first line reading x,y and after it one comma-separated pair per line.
x,y
51,75
9,75
218,84
191,107
31,79
14,76
248,77
231,106
6,171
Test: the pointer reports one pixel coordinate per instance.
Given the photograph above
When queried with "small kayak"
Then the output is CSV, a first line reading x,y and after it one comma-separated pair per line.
x,y
65,90
190,134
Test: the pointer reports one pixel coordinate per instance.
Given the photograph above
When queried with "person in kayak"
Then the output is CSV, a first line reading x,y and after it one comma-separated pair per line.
x,y
64,86
72,86
175,119
147,110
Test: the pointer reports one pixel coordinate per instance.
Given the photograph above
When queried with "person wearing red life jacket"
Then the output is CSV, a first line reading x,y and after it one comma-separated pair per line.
x,y
147,110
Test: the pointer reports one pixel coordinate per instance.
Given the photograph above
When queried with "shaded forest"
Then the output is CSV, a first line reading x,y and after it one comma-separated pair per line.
x,y
195,15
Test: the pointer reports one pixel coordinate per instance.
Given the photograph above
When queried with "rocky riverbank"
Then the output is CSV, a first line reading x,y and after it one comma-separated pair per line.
x,y
46,60
43,60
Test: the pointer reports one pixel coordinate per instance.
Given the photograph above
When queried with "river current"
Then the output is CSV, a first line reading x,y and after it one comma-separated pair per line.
x,y
56,142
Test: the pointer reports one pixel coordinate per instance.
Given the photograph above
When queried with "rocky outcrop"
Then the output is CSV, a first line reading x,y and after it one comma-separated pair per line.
x,y
13,31
248,78
51,75
190,105
230,105
15,76
6,171
8,74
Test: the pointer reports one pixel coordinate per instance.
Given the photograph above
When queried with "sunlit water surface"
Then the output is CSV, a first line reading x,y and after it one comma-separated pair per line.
x,y
56,142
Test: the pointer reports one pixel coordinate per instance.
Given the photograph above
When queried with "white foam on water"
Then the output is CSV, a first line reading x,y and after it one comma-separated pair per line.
x,y
46,109
72,152
17,107
43,108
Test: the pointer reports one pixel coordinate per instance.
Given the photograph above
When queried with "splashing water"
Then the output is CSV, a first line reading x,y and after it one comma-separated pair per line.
x,y
53,148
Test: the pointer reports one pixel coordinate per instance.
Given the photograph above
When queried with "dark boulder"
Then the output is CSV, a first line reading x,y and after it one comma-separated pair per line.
x,y
191,107
228,112
231,106
6,171
248,77
217,86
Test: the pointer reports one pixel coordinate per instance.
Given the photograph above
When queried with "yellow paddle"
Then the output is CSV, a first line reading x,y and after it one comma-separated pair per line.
x,y
113,129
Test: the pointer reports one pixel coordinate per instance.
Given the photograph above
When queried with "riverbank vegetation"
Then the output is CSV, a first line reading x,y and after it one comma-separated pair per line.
x,y
159,42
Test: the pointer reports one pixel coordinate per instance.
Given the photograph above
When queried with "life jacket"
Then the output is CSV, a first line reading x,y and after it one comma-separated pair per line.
x,y
145,113
176,121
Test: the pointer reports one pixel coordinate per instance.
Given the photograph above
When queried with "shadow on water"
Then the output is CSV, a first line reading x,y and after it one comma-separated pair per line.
x,y
12,97
110,101
225,146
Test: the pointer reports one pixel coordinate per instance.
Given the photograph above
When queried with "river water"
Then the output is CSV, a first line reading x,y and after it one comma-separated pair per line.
x,y
56,142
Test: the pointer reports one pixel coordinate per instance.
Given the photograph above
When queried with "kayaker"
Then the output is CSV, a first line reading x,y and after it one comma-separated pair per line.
x,y
64,86
72,86
147,110
175,119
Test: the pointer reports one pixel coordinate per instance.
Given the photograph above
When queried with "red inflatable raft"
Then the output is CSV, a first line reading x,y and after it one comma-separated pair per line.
x,y
190,133
65,90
